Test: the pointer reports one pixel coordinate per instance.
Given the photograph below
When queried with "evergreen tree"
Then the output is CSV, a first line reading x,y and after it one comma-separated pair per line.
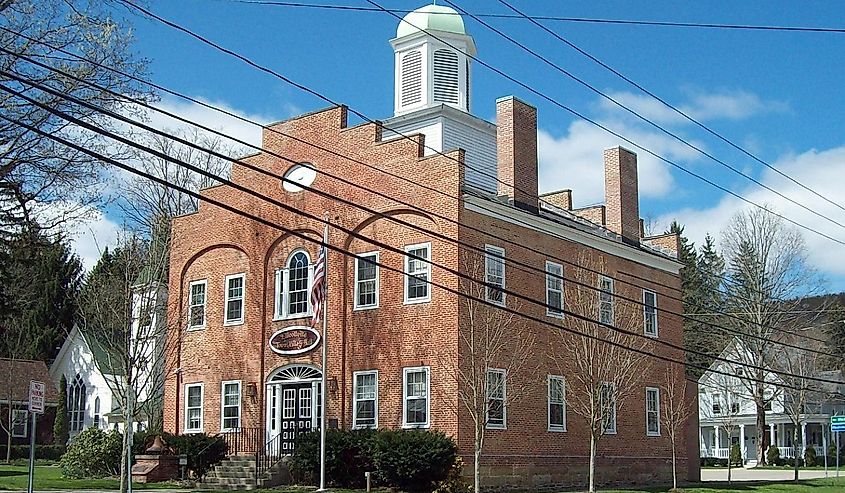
x,y
41,277
60,425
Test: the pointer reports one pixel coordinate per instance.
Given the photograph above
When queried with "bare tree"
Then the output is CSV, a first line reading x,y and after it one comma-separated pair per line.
x,y
676,409
42,181
724,404
800,392
768,276
600,375
494,368
149,206
123,318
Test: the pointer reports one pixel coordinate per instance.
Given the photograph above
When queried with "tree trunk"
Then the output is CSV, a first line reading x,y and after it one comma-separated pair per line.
x,y
592,462
9,435
795,453
674,465
729,462
761,432
477,467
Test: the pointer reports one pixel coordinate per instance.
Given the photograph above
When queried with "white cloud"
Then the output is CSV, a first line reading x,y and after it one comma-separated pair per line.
x,y
818,170
574,160
700,105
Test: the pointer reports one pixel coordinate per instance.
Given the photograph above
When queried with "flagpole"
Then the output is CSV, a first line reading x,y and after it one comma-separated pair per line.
x,y
324,388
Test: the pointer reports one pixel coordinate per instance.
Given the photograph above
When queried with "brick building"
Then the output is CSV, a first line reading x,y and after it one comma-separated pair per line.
x,y
246,358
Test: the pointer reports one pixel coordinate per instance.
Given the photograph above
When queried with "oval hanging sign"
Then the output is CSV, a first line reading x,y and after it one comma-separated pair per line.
x,y
294,340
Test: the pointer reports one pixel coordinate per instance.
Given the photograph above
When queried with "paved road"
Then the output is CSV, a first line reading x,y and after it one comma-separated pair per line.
x,y
741,474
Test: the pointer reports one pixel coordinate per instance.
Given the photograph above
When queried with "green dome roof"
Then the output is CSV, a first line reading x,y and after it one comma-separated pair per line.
x,y
438,17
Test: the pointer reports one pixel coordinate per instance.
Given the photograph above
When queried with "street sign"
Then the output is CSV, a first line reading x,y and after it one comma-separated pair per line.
x,y
837,420
36,396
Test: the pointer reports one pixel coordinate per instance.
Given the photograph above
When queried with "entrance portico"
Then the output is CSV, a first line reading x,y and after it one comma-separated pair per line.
x,y
293,405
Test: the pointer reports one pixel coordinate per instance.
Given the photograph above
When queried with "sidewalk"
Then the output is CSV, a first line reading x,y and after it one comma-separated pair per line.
x,y
753,474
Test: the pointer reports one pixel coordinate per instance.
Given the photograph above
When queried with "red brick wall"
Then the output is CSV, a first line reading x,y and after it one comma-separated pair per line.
x,y
516,142
561,198
621,196
214,243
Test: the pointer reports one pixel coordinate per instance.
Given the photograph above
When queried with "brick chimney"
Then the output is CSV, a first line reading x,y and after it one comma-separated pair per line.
x,y
516,151
621,195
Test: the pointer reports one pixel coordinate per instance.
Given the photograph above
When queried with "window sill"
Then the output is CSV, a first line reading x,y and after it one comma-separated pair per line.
x,y
497,427
653,336
233,323
417,301
365,427
192,432
653,435
557,429
495,302
364,308
195,328
279,318
558,316
609,432
407,426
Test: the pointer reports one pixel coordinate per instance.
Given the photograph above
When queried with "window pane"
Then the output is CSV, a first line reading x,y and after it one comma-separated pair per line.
x,y
418,274
416,411
298,284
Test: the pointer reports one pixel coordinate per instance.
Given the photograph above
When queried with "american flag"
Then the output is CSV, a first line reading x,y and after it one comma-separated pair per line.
x,y
318,289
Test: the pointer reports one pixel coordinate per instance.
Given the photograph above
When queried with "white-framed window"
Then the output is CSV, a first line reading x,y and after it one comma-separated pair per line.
x,y
554,289
365,399
415,398
494,274
418,273
497,417
230,405
652,411
96,412
196,304
193,408
557,403
366,281
20,418
607,400
234,299
716,405
736,403
606,300
650,313
293,287
76,395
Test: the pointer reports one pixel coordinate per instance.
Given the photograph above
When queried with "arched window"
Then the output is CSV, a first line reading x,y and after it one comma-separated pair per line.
x,y
445,78
97,412
293,284
411,78
76,404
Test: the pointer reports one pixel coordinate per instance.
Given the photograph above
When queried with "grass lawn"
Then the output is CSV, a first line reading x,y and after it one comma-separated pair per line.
x,y
14,477
808,486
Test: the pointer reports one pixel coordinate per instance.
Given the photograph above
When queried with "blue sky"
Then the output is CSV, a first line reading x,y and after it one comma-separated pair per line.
x,y
778,94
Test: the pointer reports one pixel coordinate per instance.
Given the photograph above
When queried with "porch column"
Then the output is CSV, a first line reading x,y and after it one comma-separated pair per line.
x,y
803,438
771,436
742,441
718,438
701,444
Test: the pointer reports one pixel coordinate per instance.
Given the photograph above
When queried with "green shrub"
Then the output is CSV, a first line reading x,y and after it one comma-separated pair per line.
x,y
203,451
810,456
454,482
773,455
42,452
409,460
93,453
348,457
736,455
413,460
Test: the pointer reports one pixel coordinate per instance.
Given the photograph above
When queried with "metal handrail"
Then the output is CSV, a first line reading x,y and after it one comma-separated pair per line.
x,y
242,440
268,456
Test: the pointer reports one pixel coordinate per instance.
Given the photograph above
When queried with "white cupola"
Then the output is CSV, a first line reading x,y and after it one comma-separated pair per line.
x,y
428,72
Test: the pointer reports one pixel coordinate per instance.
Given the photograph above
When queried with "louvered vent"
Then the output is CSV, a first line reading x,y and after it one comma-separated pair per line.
x,y
467,81
445,77
411,78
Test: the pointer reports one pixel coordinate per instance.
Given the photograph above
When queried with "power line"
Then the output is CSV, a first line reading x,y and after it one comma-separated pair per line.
x,y
614,133
349,232
725,329
246,60
364,117
661,128
523,267
669,105
751,27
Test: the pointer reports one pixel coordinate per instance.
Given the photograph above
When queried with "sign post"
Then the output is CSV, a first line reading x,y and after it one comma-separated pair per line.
x,y
837,424
36,407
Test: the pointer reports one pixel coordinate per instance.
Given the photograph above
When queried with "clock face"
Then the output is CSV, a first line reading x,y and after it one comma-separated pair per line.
x,y
299,174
